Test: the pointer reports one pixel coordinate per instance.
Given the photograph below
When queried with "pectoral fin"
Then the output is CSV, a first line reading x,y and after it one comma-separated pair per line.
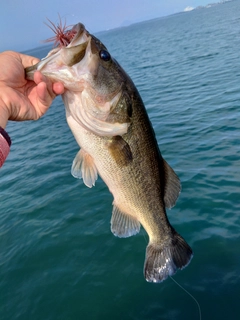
x,y
172,186
123,225
120,151
84,167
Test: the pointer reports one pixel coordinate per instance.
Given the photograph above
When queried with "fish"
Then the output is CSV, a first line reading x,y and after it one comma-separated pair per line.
x,y
109,121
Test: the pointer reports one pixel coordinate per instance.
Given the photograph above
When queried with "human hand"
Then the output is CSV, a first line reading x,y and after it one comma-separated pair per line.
x,y
22,99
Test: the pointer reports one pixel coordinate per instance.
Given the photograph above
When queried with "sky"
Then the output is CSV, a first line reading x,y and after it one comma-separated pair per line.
x,y
22,21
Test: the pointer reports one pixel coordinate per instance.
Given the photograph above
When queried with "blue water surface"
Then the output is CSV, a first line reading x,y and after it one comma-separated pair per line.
x,y
58,258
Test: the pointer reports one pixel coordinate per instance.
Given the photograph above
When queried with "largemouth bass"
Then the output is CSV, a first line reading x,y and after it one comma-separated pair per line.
x,y
109,122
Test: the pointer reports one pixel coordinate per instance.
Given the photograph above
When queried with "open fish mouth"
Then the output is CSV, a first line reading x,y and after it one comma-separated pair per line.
x,y
72,37
70,49
63,36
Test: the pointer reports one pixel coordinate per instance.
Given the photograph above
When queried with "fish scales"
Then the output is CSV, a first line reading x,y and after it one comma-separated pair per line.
x,y
109,122
137,196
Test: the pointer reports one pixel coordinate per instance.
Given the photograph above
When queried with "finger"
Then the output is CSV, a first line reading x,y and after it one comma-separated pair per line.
x,y
58,88
45,96
28,60
39,77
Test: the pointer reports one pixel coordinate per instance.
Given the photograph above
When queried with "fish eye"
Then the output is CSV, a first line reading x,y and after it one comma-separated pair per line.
x,y
104,55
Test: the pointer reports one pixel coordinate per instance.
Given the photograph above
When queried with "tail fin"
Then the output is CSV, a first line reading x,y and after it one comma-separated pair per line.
x,y
163,261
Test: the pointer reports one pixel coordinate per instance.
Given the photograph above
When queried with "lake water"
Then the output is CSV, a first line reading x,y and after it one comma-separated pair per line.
x,y
58,257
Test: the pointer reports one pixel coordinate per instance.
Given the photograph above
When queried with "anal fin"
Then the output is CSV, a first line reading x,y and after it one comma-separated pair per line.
x,y
84,167
123,225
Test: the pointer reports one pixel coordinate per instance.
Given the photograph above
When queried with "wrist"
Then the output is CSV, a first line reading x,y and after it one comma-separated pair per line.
x,y
4,114
5,143
5,135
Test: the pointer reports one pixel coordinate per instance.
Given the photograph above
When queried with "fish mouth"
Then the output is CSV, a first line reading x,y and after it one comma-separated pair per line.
x,y
69,54
78,32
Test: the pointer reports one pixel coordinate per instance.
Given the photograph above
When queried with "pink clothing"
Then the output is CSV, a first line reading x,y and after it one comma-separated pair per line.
x,y
4,149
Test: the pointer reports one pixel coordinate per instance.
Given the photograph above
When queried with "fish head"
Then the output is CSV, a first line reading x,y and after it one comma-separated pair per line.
x,y
94,82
